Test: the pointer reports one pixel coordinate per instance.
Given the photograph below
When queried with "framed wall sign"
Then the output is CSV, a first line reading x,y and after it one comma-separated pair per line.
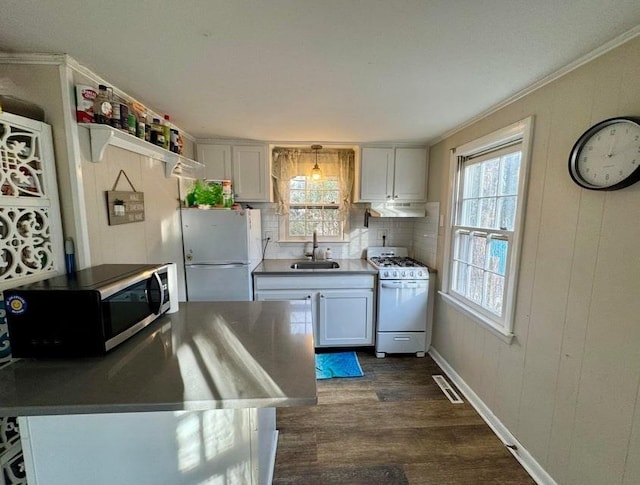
x,y
124,207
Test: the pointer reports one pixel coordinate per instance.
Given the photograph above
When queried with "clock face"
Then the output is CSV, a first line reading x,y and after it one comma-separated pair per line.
x,y
607,156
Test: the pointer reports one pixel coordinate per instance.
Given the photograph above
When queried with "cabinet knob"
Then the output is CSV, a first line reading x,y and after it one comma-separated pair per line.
x,y
395,196
388,196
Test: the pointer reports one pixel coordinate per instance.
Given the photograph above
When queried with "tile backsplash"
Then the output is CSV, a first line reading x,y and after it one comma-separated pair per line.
x,y
419,235
425,235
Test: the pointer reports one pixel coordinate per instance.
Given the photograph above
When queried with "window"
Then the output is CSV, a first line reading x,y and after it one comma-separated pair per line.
x,y
483,240
305,204
314,206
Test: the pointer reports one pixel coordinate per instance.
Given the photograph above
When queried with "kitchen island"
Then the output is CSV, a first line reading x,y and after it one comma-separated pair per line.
x,y
188,400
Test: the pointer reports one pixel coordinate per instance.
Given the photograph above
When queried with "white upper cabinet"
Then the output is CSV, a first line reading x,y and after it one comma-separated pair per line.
x,y
410,175
388,174
376,173
247,166
251,174
217,161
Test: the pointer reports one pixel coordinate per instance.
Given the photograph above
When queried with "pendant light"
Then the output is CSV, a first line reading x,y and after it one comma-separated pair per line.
x,y
316,173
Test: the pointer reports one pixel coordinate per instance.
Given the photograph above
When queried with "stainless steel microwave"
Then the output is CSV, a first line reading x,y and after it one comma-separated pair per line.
x,y
88,312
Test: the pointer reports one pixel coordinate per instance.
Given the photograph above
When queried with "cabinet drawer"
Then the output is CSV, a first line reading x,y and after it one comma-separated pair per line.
x,y
313,282
401,342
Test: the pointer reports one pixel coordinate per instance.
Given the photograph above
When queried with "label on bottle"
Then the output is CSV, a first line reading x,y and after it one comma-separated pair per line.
x,y
131,123
106,109
115,117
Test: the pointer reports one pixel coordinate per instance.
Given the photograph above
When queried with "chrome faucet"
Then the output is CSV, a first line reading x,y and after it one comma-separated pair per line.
x,y
314,256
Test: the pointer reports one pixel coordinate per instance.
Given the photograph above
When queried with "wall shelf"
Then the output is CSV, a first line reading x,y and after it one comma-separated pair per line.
x,y
105,135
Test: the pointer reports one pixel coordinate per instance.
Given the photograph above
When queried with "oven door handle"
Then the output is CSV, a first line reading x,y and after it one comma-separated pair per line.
x,y
391,284
402,284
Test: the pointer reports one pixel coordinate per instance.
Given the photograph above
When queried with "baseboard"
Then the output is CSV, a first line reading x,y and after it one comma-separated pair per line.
x,y
521,454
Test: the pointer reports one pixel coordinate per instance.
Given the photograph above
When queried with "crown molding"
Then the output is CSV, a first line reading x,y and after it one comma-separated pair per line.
x,y
33,58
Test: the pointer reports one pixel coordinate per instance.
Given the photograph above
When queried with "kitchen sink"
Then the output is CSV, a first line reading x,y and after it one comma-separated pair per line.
x,y
315,265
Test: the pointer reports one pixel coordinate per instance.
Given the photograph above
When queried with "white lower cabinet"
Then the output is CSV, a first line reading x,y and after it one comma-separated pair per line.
x,y
345,317
341,307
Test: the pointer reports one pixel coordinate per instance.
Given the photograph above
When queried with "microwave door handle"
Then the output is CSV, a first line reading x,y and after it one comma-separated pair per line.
x,y
160,290
155,308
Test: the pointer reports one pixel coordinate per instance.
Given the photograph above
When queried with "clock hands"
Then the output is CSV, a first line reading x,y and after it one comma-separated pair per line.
x,y
613,141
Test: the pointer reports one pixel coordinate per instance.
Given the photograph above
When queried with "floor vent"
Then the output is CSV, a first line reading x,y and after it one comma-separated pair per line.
x,y
449,391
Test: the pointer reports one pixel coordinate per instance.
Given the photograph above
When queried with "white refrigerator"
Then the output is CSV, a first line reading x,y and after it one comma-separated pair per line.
x,y
221,249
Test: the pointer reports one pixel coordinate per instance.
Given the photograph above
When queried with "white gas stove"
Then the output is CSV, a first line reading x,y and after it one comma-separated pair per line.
x,y
403,293
393,263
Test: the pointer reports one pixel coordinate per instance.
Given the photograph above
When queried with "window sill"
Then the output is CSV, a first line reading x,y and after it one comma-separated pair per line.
x,y
478,318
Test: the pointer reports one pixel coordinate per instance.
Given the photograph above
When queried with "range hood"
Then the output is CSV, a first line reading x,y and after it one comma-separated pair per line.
x,y
398,209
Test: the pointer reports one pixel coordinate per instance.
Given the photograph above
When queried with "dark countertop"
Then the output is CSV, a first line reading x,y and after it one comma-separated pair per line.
x,y
283,266
208,355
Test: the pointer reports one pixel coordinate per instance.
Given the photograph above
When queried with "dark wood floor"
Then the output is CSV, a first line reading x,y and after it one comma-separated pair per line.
x,y
392,426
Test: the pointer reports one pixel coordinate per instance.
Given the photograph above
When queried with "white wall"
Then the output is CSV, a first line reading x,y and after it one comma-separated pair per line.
x,y
157,239
567,386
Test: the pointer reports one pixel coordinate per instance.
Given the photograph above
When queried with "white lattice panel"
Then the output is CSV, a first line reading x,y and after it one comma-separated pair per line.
x,y
25,242
21,172
30,240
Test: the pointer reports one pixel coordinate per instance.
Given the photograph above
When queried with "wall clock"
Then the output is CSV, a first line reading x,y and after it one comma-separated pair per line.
x,y
607,155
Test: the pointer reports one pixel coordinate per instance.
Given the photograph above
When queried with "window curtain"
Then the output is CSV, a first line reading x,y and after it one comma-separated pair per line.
x,y
292,162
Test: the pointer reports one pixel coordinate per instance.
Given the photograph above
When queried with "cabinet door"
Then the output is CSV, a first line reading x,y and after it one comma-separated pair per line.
x,y
303,321
410,177
376,174
345,318
251,177
217,161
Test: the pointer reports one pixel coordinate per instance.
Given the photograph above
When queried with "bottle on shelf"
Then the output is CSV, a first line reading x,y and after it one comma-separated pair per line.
x,y
179,143
147,131
102,107
157,133
141,129
166,130
132,123
124,116
116,118
173,142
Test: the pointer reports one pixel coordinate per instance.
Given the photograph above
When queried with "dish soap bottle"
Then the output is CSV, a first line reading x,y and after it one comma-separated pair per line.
x,y
327,253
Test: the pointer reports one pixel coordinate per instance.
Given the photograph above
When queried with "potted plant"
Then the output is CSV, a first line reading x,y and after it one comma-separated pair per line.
x,y
204,195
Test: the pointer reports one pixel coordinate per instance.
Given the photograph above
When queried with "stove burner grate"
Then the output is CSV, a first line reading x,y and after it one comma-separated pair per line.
x,y
396,262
